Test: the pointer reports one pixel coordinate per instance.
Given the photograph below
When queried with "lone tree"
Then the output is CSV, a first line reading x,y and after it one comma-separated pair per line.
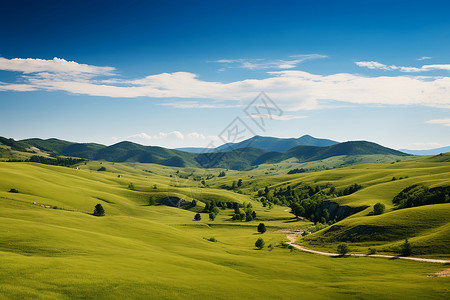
x,y
342,249
261,228
197,217
239,183
98,210
212,216
378,209
259,243
406,248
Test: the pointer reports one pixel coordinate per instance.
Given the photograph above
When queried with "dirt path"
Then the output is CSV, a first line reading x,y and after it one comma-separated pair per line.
x,y
292,237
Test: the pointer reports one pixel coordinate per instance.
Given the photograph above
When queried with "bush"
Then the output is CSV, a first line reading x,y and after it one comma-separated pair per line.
x,y
13,191
98,210
372,251
378,209
101,169
212,216
342,249
197,217
259,243
261,228
406,248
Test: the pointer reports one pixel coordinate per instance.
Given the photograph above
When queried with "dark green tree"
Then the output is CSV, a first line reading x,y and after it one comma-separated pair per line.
x,y
197,217
342,249
98,210
259,243
378,209
212,216
297,210
261,228
406,249
239,183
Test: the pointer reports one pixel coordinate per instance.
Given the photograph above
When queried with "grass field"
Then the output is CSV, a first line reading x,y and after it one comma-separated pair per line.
x,y
142,251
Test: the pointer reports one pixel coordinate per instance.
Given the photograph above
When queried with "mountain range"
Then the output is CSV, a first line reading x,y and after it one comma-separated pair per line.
x,y
266,143
427,152
238,157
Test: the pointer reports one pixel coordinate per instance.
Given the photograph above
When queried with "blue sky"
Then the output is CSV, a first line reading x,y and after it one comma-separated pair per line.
x,y
176,73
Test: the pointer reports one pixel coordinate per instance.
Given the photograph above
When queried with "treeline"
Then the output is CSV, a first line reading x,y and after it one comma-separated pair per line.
x,y
58,161
296,171
305,200
418,195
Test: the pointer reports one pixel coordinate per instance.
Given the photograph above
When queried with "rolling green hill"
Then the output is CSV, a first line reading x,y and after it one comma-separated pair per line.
x,y
56,248
238,159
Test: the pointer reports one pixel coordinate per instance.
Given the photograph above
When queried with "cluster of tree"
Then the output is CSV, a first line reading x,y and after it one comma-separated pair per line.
x,y
237,184
417,195
296,171
58,161
222,174
305,200
349,190
246,214
212,207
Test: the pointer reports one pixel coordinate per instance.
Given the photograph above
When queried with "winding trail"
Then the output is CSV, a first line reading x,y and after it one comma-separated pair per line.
x,y
292,237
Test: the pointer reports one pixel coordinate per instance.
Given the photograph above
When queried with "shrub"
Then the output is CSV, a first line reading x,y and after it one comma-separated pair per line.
x,y
261,228
259,243
13,191
372,251
98,210
342,249
101,169
197,217
378,209
212,216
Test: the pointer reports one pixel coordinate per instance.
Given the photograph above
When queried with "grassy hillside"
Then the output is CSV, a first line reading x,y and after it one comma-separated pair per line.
x,y
141,251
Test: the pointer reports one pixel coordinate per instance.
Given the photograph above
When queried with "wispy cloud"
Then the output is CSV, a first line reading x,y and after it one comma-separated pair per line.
x,y
424,58
257,64
445,122
279,118
293,90
173,138
196,104
161,135
374,65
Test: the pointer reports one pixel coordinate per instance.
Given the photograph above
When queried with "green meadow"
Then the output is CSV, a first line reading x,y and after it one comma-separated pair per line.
x,y
57,249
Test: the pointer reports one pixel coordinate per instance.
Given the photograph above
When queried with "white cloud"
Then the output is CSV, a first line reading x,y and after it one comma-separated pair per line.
x,y
142,135
56,65
279,118
257,63
424,58
445,122
292,90
196,104
171,139
374,65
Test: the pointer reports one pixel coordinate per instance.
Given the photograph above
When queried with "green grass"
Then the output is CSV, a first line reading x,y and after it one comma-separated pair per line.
x,y
140,251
